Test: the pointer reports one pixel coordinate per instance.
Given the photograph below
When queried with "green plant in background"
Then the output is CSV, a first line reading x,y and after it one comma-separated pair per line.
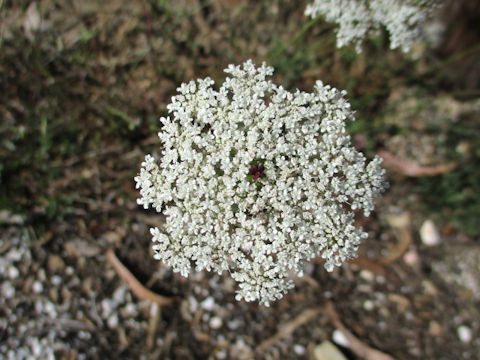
x,y
453,196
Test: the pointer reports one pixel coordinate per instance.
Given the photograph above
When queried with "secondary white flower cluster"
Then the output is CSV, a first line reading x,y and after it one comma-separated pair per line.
x,y
356,18
256,180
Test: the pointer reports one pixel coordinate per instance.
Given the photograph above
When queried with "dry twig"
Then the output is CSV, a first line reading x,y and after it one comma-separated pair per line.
x,y
401,223
138,289
412,169
288,328
362,350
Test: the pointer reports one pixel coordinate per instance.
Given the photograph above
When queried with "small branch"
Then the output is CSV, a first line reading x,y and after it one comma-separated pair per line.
x,y
412,169
401,223
359,348
288,328
137,288
368,264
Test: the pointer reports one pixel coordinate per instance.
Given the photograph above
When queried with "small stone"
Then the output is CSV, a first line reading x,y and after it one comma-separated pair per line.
x,y
56,280
435,328
463,148
411,258
8,290
340,338
401,302
208,304
327,351
365,288
367,275
36,347
119,295
14,255
464,334
55,263
429,288
13,272
130,310
112,321
37,287
66,295
81,248
299,349
222,354
215,323
429,233
108,307
49,308
234,324
240,350
192,304
368,305
53,293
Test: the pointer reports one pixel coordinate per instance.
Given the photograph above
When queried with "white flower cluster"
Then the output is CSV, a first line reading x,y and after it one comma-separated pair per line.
x,y
257,180
356,18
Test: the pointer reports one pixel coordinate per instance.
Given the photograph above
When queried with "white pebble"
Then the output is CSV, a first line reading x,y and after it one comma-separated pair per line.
x,y
208,304
8,290
367,275
107,307
368,305
112,321
84,335
464,334
340,339
119,295
13,272
429,233
234,324
50,310
411,258
299,349
14,255
37,287
56,280
36,347
39,306
131,309
215,322
193,304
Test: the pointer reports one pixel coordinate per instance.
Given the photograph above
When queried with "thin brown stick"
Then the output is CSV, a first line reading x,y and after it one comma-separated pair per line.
x,y
368,264
412,169
288,328
155,312
137,288
362,350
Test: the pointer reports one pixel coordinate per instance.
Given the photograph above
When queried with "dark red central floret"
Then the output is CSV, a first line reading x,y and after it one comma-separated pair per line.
x,y
257,171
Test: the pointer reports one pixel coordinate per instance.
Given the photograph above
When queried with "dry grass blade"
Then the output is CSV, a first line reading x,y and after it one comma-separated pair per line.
x,y
288,328
155,311
410,169
138,289
401,223
368,264
362,350
363,263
